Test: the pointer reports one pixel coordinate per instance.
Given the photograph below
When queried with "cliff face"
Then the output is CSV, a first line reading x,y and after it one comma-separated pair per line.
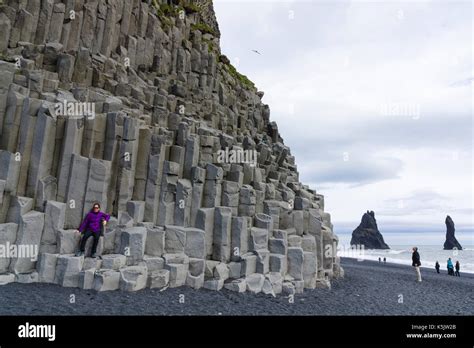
x,y
368,234
131,104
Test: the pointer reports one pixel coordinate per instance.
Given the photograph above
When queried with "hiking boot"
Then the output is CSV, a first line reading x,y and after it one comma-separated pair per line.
x,y
94,255
79,253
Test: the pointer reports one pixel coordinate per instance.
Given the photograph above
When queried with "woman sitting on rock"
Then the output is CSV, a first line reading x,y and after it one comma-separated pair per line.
x,y
91,226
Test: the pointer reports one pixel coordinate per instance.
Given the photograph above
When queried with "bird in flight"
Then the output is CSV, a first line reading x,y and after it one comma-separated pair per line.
x,y
256,52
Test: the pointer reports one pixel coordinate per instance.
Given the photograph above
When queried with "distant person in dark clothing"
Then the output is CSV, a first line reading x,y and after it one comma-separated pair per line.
x,y
437,266
380,260
450,267
457,266
92,227
384,260
415,257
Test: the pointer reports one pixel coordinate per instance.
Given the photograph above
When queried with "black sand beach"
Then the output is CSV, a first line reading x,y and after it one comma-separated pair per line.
x,y
369,288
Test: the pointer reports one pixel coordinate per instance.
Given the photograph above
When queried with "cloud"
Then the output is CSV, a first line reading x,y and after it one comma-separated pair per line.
x,y
462,83
352,171
387,83
424,202
420,202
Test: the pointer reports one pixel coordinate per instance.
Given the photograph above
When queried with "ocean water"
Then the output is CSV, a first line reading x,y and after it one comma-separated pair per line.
x,y
430,247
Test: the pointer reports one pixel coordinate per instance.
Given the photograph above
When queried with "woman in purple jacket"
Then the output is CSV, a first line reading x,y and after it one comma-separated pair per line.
x,y
91,226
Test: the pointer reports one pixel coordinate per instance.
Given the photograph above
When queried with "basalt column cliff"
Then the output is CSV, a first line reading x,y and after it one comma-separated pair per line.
x,y
131,104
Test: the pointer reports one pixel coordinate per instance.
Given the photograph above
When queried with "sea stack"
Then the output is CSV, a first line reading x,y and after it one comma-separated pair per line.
x,y
368,234
451,241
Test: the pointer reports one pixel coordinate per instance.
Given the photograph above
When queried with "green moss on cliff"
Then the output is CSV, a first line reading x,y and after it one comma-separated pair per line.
x,y
164,11
210,45
244,80
190,8
203,28
174,10
169,10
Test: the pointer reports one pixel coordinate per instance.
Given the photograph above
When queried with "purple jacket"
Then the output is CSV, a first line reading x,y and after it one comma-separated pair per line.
x,y
92,221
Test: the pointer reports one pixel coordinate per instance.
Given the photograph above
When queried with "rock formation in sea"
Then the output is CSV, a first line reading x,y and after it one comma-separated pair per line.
x,y
451,241
368,234
131,104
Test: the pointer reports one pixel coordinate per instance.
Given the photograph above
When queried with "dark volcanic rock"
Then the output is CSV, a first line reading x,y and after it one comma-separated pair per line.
x,y
367,233
145,104
451,241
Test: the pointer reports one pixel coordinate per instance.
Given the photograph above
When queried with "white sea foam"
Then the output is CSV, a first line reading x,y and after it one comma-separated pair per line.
x,y
429,254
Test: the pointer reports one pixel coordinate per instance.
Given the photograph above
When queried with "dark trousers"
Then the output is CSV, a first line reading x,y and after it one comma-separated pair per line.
x,y
87,234
437,270
457,274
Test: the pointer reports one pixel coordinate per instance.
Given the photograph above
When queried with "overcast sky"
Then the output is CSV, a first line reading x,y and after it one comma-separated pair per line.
x,y
374,99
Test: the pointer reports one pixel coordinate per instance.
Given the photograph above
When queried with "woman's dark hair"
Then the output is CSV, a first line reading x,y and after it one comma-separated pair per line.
x,y
93,205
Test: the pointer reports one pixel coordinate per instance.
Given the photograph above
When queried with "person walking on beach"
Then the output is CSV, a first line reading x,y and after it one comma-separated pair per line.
x,y
384,260
437,266
91,227
380,260
415,257
458,266
450,267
